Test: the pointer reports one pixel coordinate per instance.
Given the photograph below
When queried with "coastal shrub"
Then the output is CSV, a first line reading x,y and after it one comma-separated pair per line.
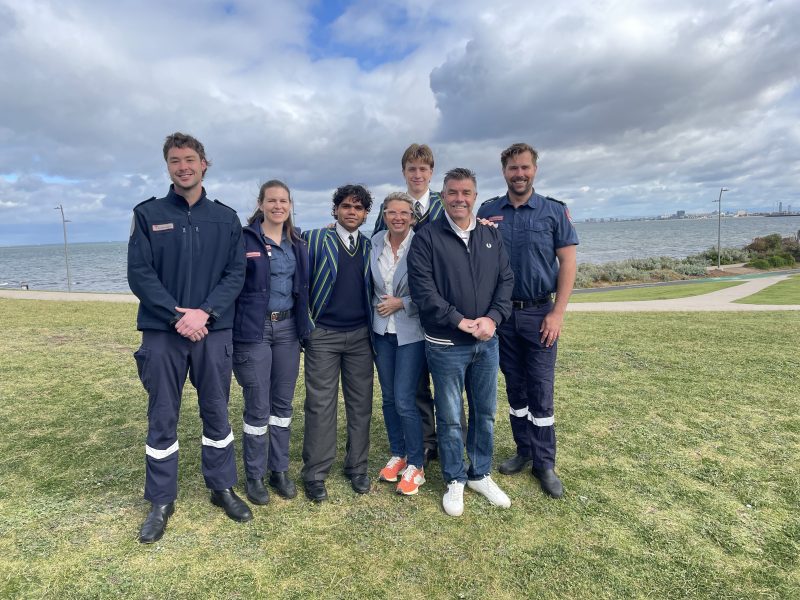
x,y
781,260
690,269
728,256
765,244
619,273
759,263
792,247
665,275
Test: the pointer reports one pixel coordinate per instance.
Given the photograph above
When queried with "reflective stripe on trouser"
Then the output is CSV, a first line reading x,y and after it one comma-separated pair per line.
x,y
163,361
529,370
267,372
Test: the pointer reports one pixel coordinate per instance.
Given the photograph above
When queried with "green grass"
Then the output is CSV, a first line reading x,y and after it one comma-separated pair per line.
x,y
657,292
783,292
679,445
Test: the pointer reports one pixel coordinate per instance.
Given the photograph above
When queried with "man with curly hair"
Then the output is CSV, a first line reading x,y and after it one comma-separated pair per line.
x,y
339,345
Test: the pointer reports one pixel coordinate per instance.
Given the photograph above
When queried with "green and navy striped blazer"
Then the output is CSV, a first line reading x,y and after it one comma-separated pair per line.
x,y
323,261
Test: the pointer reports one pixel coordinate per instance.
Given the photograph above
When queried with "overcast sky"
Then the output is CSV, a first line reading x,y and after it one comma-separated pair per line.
x,y
637,108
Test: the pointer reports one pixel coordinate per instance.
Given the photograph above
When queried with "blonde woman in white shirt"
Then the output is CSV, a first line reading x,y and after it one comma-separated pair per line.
x,y
399,344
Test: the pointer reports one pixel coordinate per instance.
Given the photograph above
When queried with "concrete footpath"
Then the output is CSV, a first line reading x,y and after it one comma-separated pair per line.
x,y
721,300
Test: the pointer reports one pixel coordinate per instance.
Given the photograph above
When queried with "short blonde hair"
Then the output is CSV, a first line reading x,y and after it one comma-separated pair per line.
x,y
399,197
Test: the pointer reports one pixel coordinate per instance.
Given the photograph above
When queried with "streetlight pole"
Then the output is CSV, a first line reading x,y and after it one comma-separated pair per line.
x,y
719,227
66,255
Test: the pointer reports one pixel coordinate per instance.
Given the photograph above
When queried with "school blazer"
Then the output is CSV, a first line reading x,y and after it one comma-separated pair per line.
x,y
323,261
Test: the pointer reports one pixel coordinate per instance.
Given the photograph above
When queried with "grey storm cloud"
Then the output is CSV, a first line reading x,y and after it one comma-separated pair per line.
x,y
634,106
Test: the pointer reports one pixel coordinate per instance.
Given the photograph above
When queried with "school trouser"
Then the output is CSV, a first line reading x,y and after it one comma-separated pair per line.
x,y
529,370
328,354
163,361
267,372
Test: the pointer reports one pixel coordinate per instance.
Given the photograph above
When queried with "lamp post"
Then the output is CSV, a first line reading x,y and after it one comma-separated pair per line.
x,y
66,256
719,227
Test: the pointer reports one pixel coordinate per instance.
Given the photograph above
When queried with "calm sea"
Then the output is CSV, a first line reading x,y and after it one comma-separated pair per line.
x,y
101,267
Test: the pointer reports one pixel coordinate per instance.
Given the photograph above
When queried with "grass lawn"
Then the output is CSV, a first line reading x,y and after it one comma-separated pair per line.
x,y
657,292
679,449
783,292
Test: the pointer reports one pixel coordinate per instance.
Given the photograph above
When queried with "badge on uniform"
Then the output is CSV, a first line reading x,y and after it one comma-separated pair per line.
x,y
269,250
164,227
253,254
495,218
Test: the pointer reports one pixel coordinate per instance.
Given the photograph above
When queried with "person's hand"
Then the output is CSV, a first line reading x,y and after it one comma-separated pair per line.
x,y
192,324
484,328
389,305
467,325
551,327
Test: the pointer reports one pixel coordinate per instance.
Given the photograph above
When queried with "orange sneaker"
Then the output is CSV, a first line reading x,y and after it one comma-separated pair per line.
x,y
393,469
412,479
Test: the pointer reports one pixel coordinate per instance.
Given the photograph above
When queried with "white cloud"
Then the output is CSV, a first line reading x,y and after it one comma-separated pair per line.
x,y
636,107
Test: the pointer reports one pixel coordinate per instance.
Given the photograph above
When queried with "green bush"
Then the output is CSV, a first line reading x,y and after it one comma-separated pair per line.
x,y
690,269
792,247
783,259
759,263
728,256
764,244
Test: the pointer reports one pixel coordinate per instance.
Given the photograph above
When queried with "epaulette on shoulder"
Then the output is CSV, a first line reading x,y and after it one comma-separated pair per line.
x,y
225,205
150,199
554,200
490,200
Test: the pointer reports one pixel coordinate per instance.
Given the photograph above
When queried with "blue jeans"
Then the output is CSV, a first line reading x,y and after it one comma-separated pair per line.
x,y
399,369
453,369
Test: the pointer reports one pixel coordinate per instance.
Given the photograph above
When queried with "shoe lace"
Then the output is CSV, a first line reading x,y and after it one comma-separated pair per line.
x,y
393,462
453,486
411,473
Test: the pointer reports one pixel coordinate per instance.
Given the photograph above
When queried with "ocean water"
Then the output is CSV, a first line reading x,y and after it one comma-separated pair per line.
x,y
101,267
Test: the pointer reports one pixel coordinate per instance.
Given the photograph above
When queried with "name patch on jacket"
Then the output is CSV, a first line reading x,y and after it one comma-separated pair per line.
x,y
495,218
253,254
164,227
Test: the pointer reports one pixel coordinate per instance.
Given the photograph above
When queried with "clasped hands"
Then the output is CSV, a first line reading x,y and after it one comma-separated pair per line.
x,y
481,328
192,325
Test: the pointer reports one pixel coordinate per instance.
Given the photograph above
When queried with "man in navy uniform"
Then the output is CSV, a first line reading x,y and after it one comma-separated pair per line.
x,y
186,264
541,243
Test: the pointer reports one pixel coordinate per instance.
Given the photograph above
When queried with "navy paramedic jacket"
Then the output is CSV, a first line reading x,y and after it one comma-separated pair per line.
x,y
450,281
192,257
251,305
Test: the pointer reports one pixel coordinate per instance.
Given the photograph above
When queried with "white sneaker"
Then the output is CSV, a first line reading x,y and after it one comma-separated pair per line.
x,y
488,488
453,499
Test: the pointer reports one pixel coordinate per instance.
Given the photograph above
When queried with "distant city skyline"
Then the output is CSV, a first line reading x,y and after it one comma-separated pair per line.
x,y
637,108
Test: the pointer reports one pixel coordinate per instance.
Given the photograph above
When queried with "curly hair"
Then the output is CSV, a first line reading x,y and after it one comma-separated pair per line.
x,y
358,192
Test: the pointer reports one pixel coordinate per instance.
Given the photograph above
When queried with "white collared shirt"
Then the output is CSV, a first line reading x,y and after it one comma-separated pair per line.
x,y
462,233
344,235
388,265
424,201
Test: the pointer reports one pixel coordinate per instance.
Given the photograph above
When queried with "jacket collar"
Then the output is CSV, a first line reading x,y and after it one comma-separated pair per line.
x,y
176,198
